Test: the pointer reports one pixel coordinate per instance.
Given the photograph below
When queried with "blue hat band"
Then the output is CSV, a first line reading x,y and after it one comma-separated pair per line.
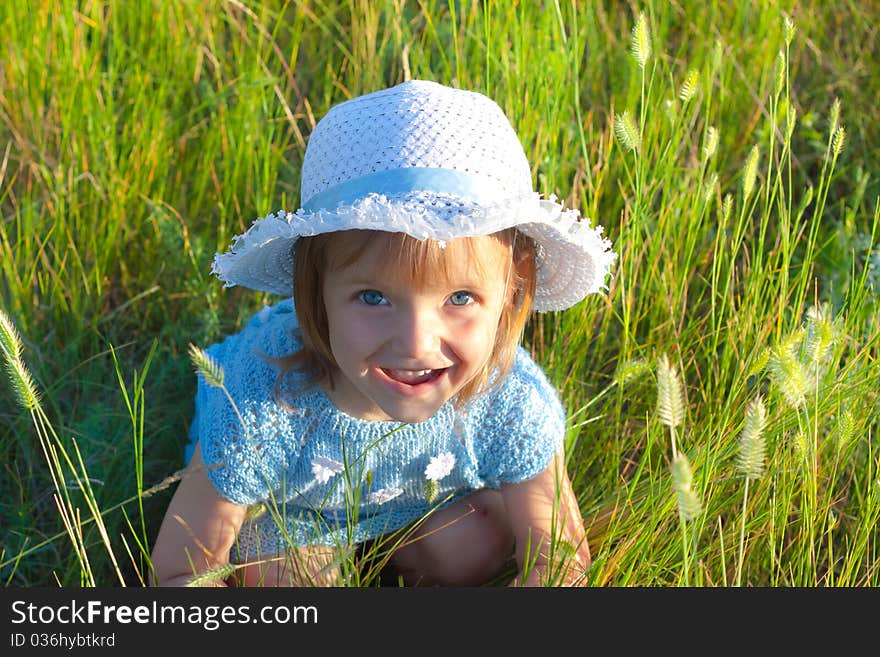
x,y
471,186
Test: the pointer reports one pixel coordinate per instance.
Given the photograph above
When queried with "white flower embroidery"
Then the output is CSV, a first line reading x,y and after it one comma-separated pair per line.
x,y
324,469
441,244
440,466
383,495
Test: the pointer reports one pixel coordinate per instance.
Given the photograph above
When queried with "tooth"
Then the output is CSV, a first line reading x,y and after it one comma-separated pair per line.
x,y
409,376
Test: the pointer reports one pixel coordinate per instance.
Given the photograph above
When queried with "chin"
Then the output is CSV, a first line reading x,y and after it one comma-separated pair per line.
x,y
411,415
414,418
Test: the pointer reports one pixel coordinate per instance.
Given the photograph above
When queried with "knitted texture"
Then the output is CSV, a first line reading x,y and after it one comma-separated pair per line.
x,y
326,478
422,124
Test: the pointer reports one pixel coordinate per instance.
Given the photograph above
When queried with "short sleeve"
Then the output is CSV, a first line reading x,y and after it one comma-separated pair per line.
x,y
249,442
522,427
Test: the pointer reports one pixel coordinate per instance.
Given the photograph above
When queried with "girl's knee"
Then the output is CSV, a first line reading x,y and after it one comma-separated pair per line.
x,y
464,544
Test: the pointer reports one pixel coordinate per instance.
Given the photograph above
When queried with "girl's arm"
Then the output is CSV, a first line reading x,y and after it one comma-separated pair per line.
x,y
551,544
198,530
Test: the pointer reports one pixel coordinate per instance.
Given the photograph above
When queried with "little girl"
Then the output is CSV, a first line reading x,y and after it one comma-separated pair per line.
x,y
387,409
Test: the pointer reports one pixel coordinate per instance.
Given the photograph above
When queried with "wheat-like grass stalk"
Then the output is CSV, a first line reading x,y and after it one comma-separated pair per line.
x,y
750,173
710,145
819,335
213,576
688,502
750,457
431,488
781,68
789,375
802,445
788,29
709,187
844,431
23,384
838,143
209,368
10,340
750,462
670,406
834,116
627,131
689,87
726,208
640,44
790,121
57,456
689,505
760,361
19,374
630,371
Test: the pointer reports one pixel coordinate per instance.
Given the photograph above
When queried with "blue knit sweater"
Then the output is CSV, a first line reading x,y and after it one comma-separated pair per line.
x,y
322,477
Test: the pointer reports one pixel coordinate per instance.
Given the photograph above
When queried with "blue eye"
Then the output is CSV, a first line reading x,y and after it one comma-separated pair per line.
x,y
460,298
372,297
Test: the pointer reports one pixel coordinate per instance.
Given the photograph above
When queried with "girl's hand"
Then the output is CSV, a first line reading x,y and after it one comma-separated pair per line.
x,y
548,528
197,532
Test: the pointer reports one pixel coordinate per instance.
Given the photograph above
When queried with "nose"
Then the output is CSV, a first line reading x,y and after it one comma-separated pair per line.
x,y
418,333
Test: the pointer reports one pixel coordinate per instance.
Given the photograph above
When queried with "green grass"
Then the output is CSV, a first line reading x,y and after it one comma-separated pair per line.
x,y
137,138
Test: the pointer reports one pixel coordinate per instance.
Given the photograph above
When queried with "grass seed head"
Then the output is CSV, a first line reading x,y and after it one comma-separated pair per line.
x,y
834,117
710,145
726,208
631,370
750,173
789,29
819,335
255,511
19,375
780,72
23,384
790,121
10,340
627,131
670,405
839,141
844,431
760,362
214,575
789,375
640,44
209,368
689,506
709,187
689,88
750,458
432,488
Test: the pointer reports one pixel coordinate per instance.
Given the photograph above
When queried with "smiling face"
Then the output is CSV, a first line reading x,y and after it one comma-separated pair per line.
x,y
405,341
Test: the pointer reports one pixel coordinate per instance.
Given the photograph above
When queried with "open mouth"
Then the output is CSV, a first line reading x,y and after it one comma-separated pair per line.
x,y
413,377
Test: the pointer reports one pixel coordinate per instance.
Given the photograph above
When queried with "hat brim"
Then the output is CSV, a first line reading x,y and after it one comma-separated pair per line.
x,y
573,258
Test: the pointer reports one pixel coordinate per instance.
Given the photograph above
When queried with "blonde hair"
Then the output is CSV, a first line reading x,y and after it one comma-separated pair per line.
x,y
416,261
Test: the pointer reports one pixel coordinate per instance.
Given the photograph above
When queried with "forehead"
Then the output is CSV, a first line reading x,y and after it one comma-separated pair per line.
x,y
420,262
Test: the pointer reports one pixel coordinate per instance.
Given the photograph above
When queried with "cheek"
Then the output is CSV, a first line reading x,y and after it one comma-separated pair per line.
x,y
351,336
476,339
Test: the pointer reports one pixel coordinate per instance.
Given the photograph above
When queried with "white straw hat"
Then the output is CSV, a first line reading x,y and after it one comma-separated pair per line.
x,y
433,162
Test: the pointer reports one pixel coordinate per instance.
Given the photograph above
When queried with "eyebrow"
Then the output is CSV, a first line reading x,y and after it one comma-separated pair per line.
x,y
387,271
382,280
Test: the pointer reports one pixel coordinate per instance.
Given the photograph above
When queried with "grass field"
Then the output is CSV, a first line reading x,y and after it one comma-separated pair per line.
x,y
723,393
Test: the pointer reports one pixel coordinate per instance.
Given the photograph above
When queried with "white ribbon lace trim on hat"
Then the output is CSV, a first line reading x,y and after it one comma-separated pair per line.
x,y
424,216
